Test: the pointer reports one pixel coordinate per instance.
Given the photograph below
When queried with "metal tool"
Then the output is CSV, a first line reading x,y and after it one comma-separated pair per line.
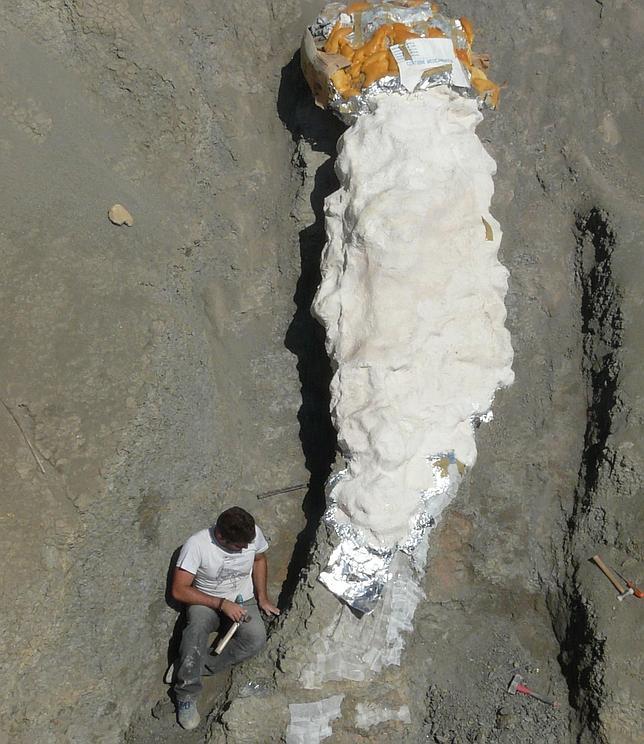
x,y
632,589
232,630
278,491
516,686
625,590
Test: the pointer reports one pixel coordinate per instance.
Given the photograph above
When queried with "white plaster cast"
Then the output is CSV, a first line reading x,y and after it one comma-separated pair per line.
x,y
412,298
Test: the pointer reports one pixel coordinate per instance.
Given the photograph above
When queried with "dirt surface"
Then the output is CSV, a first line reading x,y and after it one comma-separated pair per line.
x,y
156,372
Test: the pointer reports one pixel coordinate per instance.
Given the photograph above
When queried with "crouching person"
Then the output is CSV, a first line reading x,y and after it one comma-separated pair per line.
x,y
215,567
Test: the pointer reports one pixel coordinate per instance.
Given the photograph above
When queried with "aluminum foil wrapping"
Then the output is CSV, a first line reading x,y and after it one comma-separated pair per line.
x,y
420,20
326,19
357,571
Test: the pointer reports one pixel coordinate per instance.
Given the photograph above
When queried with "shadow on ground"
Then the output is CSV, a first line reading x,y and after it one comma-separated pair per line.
x,y
305,336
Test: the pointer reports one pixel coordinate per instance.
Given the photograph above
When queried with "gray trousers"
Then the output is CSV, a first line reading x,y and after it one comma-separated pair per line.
x,y
194,657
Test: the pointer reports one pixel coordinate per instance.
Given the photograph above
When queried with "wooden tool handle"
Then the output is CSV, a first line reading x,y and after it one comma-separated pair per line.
x,y
224,641
608,573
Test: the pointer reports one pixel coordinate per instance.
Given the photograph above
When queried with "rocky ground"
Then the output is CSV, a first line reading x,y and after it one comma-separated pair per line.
x,y
156,372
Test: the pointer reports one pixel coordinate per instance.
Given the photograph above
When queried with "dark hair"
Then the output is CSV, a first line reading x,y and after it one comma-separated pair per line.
x,y
236,525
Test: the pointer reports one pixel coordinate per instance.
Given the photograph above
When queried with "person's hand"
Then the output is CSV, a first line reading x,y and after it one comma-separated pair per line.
x,y
233,611
267,607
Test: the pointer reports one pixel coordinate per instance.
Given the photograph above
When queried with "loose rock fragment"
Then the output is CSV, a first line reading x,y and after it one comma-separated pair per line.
x,y
119,215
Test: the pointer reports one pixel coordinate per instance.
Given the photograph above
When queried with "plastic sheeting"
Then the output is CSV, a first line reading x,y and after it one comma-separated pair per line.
x,y
354,648
310,722
368,715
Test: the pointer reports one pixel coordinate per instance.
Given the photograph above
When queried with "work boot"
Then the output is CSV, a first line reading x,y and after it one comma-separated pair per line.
x,y
187,714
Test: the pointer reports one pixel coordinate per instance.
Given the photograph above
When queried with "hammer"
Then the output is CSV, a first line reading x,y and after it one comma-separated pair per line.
x,y
624,591
516,686
232,630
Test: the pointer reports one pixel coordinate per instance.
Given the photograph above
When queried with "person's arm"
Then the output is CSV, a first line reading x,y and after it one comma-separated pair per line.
x,y
260,573
183,591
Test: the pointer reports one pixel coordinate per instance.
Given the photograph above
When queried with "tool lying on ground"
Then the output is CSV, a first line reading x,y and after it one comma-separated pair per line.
x,y
232,630
278,491
516,686
625,590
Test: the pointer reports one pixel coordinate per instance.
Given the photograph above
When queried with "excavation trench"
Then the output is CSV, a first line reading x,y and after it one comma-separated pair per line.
x,y
584,654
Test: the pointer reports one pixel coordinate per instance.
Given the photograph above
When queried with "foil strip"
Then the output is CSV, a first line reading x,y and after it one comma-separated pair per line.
x,y
327,17
372,19
348,110
357,571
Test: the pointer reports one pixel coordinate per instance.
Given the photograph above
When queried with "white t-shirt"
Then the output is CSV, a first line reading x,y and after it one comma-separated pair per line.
x,y
218,572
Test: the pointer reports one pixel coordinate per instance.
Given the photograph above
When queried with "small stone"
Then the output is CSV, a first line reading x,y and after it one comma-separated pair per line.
x,y
504,718
161,710
119,215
